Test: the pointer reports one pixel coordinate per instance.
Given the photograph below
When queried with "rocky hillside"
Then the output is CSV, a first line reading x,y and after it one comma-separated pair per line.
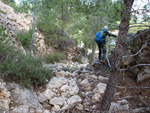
x,y
15,22
139,55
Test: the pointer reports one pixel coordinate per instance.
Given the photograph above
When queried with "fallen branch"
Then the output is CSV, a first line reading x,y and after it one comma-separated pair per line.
x,y
134,66
140,110
132,87
148,30
146,104
137,52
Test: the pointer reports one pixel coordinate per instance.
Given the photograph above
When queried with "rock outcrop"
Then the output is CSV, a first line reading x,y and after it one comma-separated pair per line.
x,y
139,48
15,22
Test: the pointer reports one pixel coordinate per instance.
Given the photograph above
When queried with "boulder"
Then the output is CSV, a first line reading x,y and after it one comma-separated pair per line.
x,y
85,83
26,97
42,97
119,106
60,74
57,82
74,99
73,88
96,97
58,101
100,88
103,79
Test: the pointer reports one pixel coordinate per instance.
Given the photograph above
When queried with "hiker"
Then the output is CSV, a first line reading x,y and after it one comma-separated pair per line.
x,y
100,39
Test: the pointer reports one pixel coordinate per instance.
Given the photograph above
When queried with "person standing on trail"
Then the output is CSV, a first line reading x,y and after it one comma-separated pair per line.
x,y
100,39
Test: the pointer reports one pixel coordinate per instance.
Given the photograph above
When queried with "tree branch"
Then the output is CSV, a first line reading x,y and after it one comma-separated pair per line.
x,y
148,30
132,87
137,52
134,66
139,26
108,22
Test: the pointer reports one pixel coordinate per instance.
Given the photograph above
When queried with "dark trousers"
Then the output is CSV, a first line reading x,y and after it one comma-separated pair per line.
x,y
102,50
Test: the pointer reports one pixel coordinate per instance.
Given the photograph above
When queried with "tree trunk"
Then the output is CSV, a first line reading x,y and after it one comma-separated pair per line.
x,y
93,47
117,56
62,18
33,35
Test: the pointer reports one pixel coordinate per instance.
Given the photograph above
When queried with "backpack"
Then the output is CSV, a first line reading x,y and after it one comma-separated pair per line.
x,y
98,37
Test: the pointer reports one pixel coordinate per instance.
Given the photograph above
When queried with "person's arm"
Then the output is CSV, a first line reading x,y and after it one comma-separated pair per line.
x,y
109,34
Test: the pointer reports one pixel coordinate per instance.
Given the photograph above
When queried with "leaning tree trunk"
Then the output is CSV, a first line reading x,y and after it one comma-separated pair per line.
x,y
117,56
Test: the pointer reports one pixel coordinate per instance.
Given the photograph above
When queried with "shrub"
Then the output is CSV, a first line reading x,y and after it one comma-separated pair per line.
x,y
24,70
18,67
25,37
55,57
3,41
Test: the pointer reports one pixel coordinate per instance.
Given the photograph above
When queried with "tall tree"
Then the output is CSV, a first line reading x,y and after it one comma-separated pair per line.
x,y
117,56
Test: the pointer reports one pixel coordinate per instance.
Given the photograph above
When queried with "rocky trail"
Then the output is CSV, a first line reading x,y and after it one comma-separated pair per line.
x,y
74,87
78,91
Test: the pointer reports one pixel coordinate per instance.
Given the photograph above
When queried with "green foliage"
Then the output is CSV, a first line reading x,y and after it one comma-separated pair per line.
x,y
2,11
25,6
78,59
18,67
7,1
3,41
24,69
55,57
25,37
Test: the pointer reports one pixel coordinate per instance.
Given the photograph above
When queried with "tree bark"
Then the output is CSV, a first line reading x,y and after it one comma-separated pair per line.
x,y
117,56
94,46
33,35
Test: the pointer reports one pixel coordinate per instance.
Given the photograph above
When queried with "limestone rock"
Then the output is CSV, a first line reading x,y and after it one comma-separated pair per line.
x,y
58,101
94,77
103,79
25,97
64,88
49,94
4,96
57,82
74,99
100,88
96,97
42,97
119,105
73,88
56,108
85,83
60,74
21,109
